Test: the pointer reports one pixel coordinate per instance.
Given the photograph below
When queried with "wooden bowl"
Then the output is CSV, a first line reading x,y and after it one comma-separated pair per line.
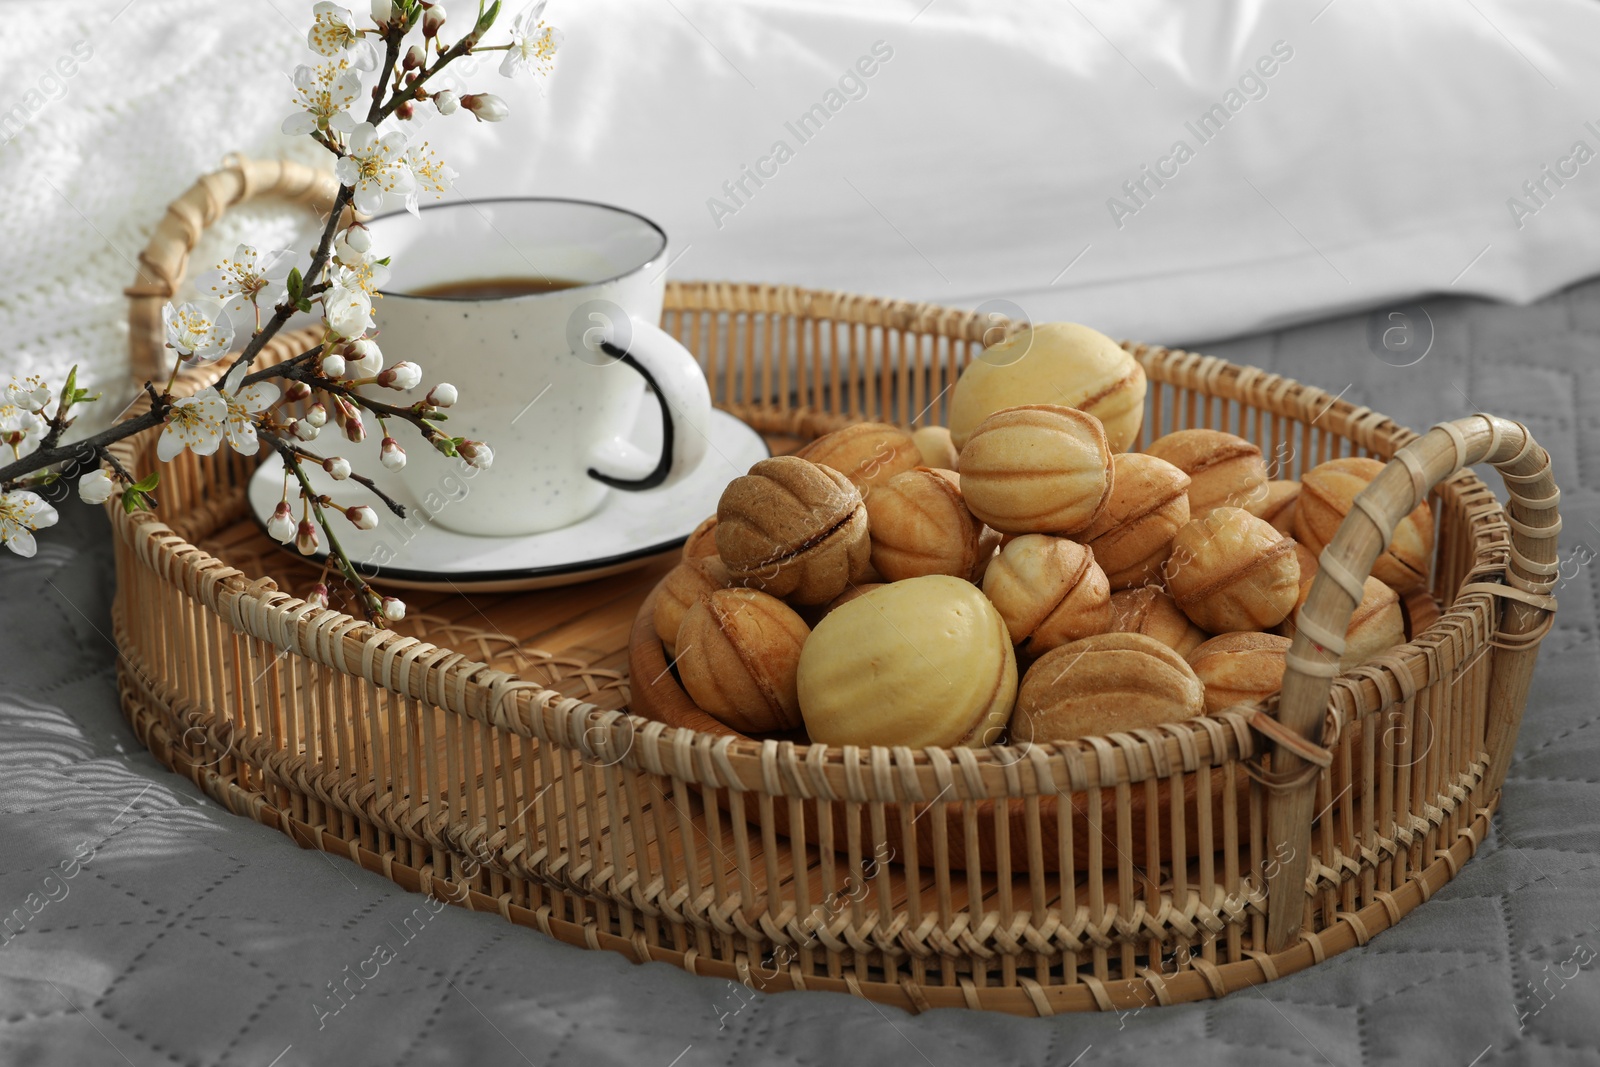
x,y
658,695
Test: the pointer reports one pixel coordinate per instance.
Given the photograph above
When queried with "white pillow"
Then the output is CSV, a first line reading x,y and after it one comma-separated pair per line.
x,y
1351,154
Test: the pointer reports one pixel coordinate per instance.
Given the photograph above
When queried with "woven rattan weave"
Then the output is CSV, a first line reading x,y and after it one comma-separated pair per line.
x,y
480,752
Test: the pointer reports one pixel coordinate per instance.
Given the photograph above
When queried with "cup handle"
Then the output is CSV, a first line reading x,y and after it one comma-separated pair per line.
x,y
680,388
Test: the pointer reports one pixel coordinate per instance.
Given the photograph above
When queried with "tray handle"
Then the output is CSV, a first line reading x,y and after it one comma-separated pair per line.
x,y
165,259
1530,575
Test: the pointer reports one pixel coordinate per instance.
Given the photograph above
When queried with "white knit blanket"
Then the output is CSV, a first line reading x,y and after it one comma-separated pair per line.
x,y
108,111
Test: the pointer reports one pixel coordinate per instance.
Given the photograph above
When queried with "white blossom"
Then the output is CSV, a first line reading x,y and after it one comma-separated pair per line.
x,y
334,33
317,414
322,93
305,538
476,453
403,375
353,248
362,517
347,311
394,610
363,359
355,429
442,395
304,430
243,406
332,365
533,45
281,526
318,597
96,487
429,174
195,422
20,429
391,455
338,468
375,166
29,394
369,277
21,513
383,12
198,331
358,238
485,106
446,101
239,282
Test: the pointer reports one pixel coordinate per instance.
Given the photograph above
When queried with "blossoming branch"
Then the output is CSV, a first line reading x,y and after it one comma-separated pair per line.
x,y
337,384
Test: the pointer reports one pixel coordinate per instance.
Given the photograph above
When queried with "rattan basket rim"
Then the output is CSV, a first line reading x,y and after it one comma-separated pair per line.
x,y
1497,552
743,764
899,773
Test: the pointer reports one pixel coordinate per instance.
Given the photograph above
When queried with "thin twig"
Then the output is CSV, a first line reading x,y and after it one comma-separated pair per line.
x,y
335,550
409,92
335,387
47,457
125,474
390,502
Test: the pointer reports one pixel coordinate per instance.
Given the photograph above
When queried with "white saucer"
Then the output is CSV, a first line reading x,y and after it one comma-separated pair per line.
x,y
418,553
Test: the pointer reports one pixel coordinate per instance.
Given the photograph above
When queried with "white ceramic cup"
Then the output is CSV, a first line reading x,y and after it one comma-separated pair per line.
x,y
552,381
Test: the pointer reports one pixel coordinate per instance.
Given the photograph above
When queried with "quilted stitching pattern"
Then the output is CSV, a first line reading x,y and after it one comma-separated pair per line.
x,y
191,936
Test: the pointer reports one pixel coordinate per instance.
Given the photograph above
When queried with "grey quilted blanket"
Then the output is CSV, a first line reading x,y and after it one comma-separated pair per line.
x,y
143,924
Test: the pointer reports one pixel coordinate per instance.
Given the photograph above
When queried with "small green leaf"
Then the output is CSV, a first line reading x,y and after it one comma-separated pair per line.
x,y
304,305
486,18
148,482
72,381
296,285
132,500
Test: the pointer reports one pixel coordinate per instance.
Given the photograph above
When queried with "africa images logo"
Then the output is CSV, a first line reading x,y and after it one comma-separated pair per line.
x,y
1252,85
852,85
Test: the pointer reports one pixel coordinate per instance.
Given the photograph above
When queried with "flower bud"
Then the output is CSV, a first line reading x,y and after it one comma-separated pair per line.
x,y
358,238
391,455
363,358
348,254
446,101
433,21
305,538
338,467
486,106
383,12
333,365
476,453
317,415
354,429
394,610
362,517
318,597
96,487
297,391
442,395
403,375
281,526
406,111
303,429
414,58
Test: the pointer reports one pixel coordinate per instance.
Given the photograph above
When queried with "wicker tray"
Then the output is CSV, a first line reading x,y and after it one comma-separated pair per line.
x,y
480,753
